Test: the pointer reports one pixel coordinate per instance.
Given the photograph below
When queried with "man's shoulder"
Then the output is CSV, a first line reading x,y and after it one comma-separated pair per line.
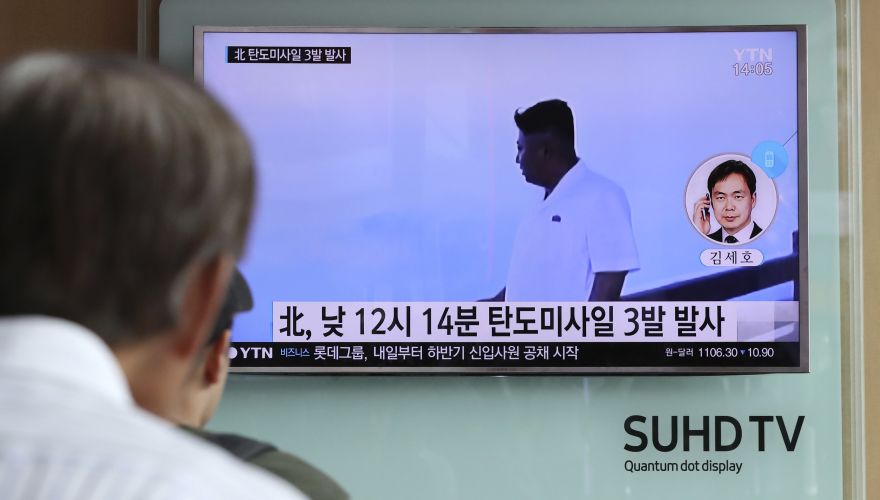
x,y
716,235
123,446
594,188
585,188
186,459
242,447
306,477
593,180
756,230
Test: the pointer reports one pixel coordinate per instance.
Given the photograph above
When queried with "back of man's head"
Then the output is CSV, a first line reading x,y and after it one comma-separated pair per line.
x,y
116,179
553,117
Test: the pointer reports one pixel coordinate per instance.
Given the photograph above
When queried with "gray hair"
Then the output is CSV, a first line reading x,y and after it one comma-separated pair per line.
x,y
116,179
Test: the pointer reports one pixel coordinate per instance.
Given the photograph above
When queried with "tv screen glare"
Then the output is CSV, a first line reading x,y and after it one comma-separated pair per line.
x,y
520,201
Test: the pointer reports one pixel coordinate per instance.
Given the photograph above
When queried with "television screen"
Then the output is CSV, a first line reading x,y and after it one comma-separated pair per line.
x,y
520,200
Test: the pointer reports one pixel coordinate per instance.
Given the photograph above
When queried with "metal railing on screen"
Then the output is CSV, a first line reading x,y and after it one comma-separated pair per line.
x,y
729,284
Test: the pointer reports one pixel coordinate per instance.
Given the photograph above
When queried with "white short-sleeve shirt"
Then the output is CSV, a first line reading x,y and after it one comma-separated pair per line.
x,y
70,429
581,229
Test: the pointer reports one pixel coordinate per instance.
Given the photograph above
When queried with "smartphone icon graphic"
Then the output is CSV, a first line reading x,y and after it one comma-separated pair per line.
x,y
769,159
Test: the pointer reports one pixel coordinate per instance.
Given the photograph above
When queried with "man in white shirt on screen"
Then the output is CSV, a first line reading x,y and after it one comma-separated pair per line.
x,y
578,244
126,194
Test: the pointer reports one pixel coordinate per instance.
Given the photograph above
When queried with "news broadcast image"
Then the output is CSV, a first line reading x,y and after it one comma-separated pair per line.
x,y
390,202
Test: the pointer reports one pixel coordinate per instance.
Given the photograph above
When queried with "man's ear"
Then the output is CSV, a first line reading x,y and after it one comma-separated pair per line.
x,y
217,362
545,150
204,292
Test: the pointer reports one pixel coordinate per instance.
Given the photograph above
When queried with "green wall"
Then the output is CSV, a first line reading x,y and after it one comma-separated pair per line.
x,y
477,437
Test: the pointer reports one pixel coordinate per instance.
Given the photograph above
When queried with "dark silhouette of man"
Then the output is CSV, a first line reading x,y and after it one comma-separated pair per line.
x,y
578,244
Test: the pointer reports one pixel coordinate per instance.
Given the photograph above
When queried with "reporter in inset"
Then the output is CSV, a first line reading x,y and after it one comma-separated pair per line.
x,y
732,196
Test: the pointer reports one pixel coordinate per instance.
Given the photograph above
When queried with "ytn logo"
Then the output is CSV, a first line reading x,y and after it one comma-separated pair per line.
x,y
251,352
754,55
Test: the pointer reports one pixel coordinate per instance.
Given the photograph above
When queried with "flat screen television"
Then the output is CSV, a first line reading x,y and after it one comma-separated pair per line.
x,y
521,201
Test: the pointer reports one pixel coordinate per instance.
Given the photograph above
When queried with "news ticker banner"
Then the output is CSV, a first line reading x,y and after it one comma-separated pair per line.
x,y
423,336
535,356
522,322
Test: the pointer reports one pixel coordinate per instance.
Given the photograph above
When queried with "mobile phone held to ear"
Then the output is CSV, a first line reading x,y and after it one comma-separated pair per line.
x,y
706,209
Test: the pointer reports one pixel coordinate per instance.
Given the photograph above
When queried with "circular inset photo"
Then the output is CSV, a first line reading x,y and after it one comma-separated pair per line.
x,y
730,200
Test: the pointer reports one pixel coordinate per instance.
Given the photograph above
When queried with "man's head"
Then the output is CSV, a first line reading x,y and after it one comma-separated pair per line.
x,y
732,190
125,195
205,387
545,147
